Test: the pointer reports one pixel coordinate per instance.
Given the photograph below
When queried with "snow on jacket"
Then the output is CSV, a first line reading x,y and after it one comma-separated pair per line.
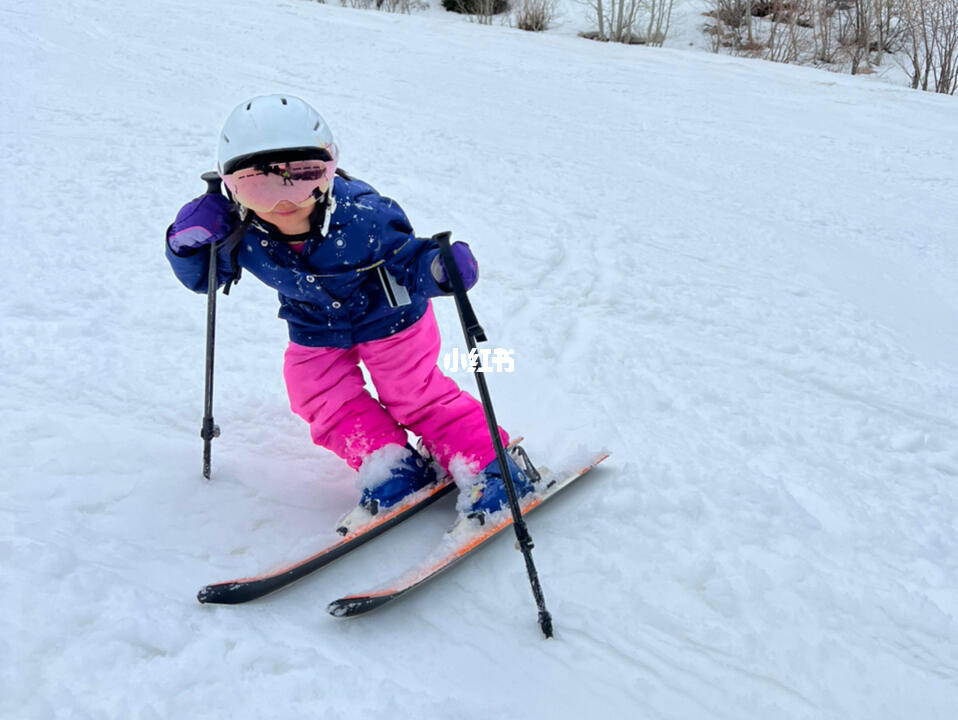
x,y
330,294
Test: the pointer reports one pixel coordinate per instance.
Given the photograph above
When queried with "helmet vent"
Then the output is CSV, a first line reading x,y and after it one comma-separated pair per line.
x,y
249,105
316,126
226,138
283,100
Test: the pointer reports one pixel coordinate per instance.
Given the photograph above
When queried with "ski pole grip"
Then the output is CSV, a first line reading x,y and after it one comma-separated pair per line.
x,y
213,182
470,323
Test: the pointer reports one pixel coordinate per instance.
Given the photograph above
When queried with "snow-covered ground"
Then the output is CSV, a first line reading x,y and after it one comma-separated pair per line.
x,y
740,277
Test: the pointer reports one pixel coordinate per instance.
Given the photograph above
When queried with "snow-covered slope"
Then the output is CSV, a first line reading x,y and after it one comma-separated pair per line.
x,y
739,277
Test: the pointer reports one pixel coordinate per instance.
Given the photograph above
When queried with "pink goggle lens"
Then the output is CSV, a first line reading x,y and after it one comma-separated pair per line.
x,y
263,188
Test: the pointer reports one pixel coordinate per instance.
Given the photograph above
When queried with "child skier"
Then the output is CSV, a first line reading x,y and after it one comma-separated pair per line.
x,y
354,285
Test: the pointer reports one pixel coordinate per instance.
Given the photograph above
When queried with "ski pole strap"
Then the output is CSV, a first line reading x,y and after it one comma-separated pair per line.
x,y
470,323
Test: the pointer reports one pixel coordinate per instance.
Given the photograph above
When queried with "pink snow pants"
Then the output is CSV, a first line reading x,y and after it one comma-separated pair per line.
x,y
326,388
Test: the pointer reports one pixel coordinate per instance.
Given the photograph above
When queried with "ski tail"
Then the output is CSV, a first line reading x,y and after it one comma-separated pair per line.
x,y
243,590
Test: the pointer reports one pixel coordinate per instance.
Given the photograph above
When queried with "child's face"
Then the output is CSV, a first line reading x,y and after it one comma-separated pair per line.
x,y
288,217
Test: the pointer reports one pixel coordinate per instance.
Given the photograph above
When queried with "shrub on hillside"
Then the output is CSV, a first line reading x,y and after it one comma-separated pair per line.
x,y
849,35
396,6
535,15
476,7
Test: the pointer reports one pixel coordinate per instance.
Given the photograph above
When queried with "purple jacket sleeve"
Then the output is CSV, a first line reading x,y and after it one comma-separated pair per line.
x,y
192,267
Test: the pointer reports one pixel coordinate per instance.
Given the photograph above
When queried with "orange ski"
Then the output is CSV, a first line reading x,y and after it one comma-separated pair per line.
x,y
465,537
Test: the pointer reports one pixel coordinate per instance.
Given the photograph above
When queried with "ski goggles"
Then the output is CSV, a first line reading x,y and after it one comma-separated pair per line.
x,y
263,187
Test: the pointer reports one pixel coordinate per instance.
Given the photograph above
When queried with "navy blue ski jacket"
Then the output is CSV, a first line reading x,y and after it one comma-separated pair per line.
x,y
331,294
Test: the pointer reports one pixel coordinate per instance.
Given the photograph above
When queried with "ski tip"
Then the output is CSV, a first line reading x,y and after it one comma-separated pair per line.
x,y
222,594
358,605
346,607
337,608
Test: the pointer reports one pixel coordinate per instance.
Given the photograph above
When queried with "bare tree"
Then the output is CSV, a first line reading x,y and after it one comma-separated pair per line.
x,y
617,20
919,48
851,35
857,43
931,41
775,49
800,28
730,20
823,11
622,18
946,47
483,11
660,20
887,14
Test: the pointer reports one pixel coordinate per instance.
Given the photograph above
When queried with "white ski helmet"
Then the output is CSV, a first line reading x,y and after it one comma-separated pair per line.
x,y
268,125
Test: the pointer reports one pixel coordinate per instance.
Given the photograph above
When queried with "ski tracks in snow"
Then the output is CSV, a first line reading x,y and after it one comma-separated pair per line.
x,y
682,251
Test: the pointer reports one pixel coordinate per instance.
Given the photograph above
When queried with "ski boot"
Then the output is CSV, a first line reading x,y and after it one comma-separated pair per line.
x,y
387,477
392,473
487,493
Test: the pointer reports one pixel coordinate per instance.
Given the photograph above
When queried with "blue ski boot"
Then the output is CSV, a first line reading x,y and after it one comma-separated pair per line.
x,y
390,474
488,491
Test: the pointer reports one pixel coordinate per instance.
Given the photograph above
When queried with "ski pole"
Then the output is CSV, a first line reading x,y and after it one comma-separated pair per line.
x,y
474,333
210,430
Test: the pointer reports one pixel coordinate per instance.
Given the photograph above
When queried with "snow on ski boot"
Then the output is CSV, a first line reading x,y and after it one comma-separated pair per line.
x,y
386,477
390,474
487,493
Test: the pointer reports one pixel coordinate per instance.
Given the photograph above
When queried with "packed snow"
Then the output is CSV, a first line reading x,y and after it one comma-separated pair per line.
x,y
738,277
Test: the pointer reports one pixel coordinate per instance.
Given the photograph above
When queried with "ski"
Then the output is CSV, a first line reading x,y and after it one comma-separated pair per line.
x,y
243,590
466,536
367,527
